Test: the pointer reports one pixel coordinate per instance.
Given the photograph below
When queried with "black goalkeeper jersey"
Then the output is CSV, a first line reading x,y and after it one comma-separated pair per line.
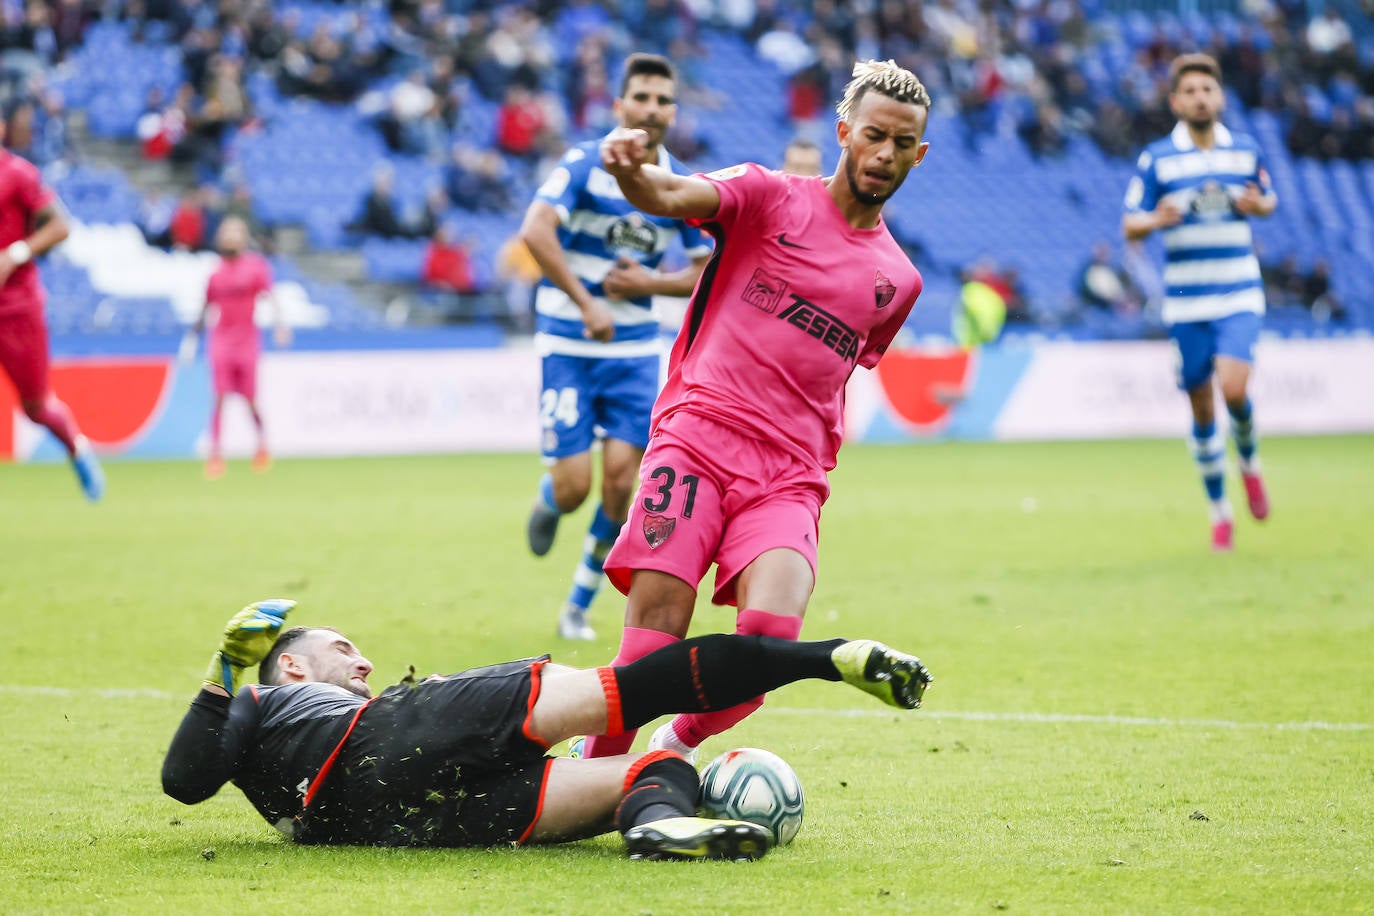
x,y
271,741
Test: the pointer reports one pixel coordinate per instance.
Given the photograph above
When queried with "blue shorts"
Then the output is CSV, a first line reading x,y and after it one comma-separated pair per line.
x,y
584,396
1197,344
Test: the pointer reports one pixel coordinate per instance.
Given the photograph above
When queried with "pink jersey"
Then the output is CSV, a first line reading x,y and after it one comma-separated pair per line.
x,y
794,298
233,290
22,195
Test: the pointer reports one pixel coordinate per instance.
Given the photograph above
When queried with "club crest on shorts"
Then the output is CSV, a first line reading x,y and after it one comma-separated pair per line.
x,y
883,289
657,529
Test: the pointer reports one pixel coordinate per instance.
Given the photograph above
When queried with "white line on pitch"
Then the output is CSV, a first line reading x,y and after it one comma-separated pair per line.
x,y
1040,718
1054,718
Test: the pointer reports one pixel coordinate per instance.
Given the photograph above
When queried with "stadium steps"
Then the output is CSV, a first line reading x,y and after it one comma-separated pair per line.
x,y
339,266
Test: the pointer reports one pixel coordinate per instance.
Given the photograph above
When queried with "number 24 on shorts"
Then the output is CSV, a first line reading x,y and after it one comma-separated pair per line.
x,y
558,406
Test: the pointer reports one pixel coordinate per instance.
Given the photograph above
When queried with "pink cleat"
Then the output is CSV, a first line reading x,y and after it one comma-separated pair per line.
x,y
214,467
1221,536
1254,493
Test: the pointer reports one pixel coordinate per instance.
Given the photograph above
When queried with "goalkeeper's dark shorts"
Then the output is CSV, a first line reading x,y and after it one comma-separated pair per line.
x,y
450,762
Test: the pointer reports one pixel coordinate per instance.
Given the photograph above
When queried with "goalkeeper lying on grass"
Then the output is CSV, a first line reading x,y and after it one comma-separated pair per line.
x,y
460,760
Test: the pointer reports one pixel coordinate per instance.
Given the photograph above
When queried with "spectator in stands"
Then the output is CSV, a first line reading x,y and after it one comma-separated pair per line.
x,y
1317,296
186,230
1005,282
1283,282
379,215
1104,285
802,157
69,21
411,122
162,127
51,140
432,213
1045,132
518,272
155,218
19,130
520,121
478,179
448,263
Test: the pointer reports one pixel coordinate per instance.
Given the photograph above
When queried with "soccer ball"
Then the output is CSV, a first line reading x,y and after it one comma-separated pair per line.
x,y
748,784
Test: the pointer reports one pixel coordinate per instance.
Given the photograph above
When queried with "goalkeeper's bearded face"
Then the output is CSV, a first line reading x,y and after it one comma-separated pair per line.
x,y
326,657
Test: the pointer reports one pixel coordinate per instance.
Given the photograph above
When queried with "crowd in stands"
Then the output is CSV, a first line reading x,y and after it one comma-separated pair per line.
x,y
1051,72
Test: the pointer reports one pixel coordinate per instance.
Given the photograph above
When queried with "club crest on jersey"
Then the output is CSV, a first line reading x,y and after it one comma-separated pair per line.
x,y
883,289
657,529
764,292
1212,202
632,232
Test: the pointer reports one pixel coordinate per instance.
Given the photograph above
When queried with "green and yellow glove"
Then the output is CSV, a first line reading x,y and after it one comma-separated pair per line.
x,y
248,637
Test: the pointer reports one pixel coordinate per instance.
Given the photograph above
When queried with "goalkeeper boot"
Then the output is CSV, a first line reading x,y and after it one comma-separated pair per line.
x,y
88,471
894,677
698,838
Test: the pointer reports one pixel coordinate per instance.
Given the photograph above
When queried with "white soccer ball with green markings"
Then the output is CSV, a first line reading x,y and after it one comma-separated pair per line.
x,y
748,784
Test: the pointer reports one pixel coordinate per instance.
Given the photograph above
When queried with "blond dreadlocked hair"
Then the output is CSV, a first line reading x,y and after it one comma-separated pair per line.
x,y
885,78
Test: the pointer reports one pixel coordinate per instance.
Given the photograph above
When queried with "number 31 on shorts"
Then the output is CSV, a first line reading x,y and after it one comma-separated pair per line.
x,y
558,406
662,479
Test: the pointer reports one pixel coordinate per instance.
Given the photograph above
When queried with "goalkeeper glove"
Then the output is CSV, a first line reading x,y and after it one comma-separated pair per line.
x,y
248,637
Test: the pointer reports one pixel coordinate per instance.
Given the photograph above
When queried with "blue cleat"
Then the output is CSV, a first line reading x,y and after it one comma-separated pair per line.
x,y
88,472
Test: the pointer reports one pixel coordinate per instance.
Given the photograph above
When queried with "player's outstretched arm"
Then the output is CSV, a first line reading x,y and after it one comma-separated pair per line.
x,y
624,154
201,758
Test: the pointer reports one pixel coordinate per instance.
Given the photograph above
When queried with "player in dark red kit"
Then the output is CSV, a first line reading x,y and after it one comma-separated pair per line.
x,y
31,223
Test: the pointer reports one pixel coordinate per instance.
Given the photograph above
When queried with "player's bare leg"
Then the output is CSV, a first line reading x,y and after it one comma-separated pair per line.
x,y
214,464
1234,376
561,490
619,477
1209,451
262,459
772,593
50,412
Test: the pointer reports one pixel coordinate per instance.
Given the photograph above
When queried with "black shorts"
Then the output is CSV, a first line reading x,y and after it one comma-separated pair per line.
x,y
450,762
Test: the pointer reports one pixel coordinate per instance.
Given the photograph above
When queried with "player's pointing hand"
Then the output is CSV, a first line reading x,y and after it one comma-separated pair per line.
x,y
624,150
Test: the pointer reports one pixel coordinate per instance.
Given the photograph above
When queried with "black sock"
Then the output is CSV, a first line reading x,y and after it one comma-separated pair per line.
x,y
664,788
716,672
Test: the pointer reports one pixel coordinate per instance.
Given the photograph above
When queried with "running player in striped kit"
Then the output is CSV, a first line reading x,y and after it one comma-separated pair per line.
x,y
1199,186
597,331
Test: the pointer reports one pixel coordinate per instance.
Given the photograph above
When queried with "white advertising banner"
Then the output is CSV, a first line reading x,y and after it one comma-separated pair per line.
x,y
1108,390
392,402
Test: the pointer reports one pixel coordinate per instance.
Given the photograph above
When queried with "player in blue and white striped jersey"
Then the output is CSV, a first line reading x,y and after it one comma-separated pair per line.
x,y
1200,185
597,331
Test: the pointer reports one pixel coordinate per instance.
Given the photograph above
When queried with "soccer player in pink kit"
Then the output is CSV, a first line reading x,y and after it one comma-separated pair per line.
x,y
806,283
232,294
31,222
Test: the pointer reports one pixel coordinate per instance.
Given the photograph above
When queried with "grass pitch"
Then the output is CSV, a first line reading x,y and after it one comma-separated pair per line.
x,y
1121,722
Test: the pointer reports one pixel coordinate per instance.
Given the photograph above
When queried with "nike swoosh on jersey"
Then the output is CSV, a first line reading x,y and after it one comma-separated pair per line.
x,y
782,240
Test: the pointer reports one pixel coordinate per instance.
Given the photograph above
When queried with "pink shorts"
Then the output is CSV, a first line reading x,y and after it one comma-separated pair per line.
x,y
708,494
235,370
